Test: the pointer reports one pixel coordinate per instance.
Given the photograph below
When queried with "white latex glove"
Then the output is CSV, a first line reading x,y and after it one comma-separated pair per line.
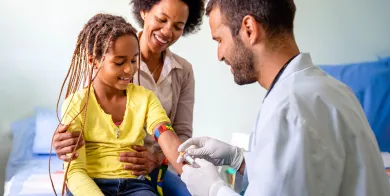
x,y
217,152
203,181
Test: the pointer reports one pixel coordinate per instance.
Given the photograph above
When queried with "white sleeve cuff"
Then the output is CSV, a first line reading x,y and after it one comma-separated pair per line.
x,y
239,157
226,191
213,191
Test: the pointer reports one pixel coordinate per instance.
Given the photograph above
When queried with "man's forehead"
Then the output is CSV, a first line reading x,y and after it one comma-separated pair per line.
x,y
215,19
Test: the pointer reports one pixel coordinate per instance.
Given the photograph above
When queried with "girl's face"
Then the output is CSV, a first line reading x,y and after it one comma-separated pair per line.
x,y
120,63
164,24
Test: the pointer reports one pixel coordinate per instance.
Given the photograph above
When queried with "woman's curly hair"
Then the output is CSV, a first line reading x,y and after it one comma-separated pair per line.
x,y
196,9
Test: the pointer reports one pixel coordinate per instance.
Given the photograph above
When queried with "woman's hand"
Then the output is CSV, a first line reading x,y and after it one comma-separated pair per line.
x,y
141,162
65,142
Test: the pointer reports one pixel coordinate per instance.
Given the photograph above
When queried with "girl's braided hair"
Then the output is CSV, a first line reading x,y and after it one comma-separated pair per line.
x,y
94,40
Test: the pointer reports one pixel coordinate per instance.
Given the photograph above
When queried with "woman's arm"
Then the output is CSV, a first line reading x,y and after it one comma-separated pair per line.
x,y
182,123
64,142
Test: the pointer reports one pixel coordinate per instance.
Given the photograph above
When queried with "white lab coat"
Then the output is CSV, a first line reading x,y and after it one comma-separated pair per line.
x,y
312,138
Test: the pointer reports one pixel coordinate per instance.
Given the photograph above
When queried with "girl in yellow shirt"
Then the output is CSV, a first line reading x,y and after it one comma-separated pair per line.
x,y
111,113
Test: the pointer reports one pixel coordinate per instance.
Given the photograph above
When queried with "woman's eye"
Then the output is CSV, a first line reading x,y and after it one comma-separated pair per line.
x,y
178,28
120,63
133,61
161,20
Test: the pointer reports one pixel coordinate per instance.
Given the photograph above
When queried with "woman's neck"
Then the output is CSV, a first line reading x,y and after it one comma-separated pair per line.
x,y
150,58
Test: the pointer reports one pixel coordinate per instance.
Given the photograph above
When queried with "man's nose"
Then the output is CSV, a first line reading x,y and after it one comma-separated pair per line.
x,y
220,54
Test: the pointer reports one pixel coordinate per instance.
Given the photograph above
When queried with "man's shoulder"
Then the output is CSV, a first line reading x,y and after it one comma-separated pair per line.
x,y
310,96
324,103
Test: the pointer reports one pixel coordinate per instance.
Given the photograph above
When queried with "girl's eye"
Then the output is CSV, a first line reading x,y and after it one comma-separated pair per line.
x,y
119,64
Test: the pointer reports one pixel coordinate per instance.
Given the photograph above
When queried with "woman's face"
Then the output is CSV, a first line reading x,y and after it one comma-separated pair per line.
x,y
164,24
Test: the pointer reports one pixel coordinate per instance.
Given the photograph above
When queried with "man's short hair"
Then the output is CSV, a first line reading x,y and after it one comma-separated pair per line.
x,y
276,16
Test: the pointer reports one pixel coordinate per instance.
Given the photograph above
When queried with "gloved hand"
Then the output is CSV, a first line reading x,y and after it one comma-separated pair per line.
x,y
217,152
203,181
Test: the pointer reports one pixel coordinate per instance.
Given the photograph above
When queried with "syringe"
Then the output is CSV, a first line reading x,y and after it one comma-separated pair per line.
x,y
189,159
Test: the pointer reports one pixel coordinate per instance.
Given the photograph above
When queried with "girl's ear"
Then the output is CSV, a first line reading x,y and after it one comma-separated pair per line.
x,y
92,62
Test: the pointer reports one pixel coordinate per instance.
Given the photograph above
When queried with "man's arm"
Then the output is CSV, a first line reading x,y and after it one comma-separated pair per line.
x,y
292,158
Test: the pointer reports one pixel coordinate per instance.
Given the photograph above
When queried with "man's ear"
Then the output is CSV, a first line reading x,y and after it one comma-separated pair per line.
x,y
251,30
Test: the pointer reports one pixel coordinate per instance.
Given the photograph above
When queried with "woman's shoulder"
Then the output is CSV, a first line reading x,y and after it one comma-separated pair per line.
x,y
184,63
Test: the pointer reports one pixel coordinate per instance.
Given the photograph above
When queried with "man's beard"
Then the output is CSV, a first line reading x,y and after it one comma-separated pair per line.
x,y
241,62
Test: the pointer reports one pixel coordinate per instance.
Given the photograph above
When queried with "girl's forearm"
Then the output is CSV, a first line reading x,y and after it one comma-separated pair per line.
x,y
169,143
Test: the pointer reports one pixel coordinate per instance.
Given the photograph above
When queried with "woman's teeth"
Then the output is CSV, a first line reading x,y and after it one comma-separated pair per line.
x,y
124,78
160,39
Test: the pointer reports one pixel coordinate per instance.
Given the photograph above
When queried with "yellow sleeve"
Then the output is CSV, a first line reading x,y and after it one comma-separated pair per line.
x,y
78,181
155,113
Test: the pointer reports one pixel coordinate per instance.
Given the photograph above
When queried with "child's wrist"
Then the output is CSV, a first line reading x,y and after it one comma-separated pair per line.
x,y
158,157
161,129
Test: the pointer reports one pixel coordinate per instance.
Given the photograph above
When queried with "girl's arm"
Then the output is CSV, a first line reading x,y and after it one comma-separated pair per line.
x,y
169,143
78,181
156,119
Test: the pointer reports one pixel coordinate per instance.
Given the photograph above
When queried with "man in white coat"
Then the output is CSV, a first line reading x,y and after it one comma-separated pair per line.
x,y
311,137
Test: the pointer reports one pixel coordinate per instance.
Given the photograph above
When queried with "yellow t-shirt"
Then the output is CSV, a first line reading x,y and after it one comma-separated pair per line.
x,y
104,141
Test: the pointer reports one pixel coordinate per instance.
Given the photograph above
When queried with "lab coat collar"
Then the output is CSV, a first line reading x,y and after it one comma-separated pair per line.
x,y
300,62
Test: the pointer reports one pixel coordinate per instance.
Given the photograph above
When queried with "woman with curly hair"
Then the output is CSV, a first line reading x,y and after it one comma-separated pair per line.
x,y
165,73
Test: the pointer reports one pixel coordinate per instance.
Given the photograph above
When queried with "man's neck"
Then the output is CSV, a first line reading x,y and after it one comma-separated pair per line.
x,y
272,62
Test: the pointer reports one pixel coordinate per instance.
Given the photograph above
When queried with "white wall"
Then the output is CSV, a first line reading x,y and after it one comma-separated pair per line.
x,y
37,39
343,31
